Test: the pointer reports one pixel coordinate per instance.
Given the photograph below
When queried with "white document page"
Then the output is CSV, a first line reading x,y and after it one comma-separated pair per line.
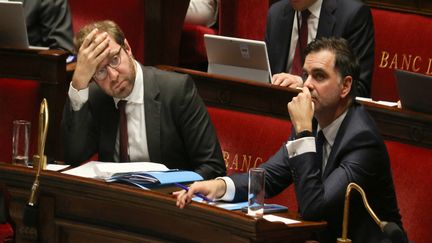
x,y
103,170
274,218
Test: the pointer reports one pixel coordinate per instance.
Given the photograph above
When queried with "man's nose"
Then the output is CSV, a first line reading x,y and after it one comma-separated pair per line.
x,y
112,73
307,81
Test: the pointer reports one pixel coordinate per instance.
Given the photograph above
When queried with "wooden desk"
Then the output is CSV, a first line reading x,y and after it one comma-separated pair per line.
x,y
74,209
49,68
216,90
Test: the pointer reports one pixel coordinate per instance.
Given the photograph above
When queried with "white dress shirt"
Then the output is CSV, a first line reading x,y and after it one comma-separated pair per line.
x,y
298,147
313,20
138,149
202,12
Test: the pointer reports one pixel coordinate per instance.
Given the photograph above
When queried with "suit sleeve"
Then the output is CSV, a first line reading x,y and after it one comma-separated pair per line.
x,y
199,134
361,37
277,176
318,198
56,25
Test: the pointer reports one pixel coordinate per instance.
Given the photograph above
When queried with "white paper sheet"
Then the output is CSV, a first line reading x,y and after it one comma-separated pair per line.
x,y
102,170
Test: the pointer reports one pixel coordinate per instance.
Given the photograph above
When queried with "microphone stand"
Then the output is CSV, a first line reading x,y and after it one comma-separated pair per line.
x,y
392,230
39,160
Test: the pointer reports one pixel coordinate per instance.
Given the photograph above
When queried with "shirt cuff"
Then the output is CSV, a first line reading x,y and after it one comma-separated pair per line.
x,y
300,146
77,97
230,189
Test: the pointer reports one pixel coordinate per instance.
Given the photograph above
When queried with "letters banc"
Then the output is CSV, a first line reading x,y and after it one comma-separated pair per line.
x,y
240,162
408,62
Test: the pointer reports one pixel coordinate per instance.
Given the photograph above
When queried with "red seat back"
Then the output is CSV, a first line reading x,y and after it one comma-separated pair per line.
x,y
236,18
243,18
411,167
20,101
247,140
402,41
129,15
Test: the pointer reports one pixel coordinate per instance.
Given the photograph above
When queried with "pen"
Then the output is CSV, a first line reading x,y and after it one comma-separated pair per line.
x,y
196,194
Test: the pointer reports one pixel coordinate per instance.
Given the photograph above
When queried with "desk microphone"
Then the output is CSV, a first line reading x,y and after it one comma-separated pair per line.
x,y
31,212
390,229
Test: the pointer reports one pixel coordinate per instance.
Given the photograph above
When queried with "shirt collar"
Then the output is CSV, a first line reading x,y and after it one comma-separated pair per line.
x,y
315,8
137,94
331,130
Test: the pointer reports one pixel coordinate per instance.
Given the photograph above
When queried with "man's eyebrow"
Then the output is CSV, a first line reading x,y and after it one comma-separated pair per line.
x,y
315,70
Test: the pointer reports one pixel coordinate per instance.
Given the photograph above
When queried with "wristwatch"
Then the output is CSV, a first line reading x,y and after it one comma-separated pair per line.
x,y
304,133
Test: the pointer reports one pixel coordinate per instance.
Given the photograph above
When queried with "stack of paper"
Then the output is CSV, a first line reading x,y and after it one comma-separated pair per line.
x,y
104,170
141,174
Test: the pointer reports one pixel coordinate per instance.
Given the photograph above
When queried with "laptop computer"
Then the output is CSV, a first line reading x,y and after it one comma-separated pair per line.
x,y
414,91
13,31
236,57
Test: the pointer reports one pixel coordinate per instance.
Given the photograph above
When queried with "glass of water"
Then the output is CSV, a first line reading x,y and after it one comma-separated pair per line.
x,y
256,189
20,142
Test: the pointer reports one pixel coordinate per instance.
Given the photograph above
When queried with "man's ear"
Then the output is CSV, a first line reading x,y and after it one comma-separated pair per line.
x,y
346,86
127,48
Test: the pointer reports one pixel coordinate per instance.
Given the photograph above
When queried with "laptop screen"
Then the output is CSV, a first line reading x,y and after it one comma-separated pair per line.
x,y
414,91
236,57
13,31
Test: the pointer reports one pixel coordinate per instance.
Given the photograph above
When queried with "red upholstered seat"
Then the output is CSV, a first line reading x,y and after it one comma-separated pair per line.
x,y
20,101
402,41
247,140
411,167
6,230
192,48
237,18
129,15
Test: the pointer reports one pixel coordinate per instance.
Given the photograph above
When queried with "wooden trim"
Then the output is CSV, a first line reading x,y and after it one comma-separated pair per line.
x,y
91,210
266,99
422,7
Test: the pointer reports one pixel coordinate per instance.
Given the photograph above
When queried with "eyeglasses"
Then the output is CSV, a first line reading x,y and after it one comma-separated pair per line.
x,y
114,62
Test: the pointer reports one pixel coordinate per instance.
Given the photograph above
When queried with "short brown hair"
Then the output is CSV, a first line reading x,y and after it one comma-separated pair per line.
x,y
108,26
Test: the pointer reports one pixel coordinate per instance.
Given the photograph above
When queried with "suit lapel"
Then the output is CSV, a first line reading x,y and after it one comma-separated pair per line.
x,y
152,111
338,145
327,19
286,24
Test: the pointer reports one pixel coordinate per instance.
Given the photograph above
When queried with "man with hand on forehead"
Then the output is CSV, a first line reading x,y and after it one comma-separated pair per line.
x,y
127,112
334,142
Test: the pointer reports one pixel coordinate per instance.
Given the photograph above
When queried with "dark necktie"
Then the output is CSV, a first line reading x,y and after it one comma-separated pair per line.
x,y
123,140
319,141
301,44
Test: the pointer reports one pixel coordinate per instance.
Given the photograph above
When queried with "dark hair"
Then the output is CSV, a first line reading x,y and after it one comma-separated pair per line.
x,y
345,60
108,26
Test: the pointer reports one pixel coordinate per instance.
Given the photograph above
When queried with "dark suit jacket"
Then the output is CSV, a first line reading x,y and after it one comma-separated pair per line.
x,y
49,23
179,131
358,155
349,19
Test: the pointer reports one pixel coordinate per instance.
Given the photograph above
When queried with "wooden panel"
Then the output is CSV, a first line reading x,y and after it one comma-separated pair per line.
x,y
423,7
394,123
73,209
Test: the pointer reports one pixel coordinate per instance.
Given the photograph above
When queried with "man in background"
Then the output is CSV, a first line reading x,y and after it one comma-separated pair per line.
x,y
335,142
286,36
123,111
49,23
